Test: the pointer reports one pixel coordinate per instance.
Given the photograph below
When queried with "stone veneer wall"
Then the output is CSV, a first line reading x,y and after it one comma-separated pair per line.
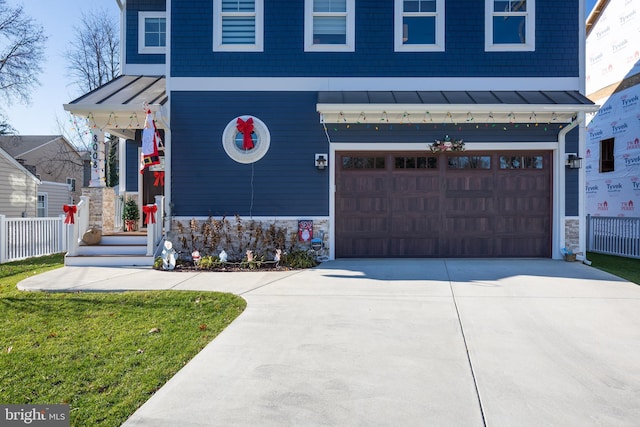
x,y
572,234
320,230
101,208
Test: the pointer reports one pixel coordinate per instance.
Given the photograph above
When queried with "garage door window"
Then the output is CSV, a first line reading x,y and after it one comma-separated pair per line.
x,y
469,162
521,162
349,162
416,163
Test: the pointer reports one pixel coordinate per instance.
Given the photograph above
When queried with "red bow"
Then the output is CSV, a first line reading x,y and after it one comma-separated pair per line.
x,y
70,210
246,129
159,176
150,211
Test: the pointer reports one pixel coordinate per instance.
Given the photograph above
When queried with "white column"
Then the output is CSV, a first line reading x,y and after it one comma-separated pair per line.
x,y
97,159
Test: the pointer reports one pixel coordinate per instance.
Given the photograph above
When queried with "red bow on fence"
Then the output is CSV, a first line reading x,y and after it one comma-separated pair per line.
x,y
246,129
159,176
150,212
70,210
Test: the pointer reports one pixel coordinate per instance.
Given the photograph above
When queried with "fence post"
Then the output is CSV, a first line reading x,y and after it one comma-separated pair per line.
x,y
63,236
588,242
3,238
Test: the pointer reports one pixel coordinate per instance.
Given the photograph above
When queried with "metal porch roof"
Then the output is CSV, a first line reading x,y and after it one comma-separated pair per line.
x,y
341,106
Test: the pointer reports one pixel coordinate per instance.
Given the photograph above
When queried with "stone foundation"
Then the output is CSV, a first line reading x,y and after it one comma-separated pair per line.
x,y
102,203
572,234
237,234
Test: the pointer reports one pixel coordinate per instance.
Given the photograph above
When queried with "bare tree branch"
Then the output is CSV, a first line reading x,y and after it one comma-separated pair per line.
x,y
94,57
22,44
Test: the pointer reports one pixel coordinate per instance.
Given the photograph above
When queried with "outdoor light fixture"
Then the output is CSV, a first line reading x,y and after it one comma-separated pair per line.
x,y
573,161
321,161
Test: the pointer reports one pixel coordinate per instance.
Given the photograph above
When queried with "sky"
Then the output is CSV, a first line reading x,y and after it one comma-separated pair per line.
x,y
58,17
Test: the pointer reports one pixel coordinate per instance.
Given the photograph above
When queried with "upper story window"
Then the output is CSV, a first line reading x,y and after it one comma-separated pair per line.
x,y
238,25
152,32
419,25
329,25
510,25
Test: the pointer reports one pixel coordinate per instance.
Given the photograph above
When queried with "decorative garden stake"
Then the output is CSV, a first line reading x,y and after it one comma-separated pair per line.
x,y
168,256
447,145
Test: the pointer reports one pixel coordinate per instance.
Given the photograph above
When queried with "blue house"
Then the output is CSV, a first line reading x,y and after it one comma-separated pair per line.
x,y
389,128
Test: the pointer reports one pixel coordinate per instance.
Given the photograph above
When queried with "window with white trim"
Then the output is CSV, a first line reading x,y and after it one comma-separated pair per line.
x,y
152,32
329,25
71,182
419,25
510,25
238,25
42,209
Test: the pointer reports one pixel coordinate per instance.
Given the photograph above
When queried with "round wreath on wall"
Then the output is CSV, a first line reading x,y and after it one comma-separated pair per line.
x,y
246,139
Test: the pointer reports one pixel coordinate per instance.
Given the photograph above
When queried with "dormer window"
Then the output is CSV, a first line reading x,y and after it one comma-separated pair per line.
x,y
510,25
419,25
329,25
152,32
238,25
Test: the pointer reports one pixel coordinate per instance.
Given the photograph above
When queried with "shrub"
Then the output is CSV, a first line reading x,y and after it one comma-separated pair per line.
x,y
299,258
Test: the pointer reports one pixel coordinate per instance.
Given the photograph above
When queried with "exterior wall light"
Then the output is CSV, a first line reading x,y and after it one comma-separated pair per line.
x,y
573,161
321,161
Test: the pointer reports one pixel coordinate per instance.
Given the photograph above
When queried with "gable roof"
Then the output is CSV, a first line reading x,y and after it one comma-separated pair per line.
x,y
18,166
19,145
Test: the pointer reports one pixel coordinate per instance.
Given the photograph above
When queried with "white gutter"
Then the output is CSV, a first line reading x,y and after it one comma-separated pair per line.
x,y
165,119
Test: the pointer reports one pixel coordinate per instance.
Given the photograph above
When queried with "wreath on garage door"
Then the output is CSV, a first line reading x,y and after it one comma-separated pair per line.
x,y
447,144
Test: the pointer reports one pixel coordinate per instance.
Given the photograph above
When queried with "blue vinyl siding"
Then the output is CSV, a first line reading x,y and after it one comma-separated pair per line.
x,y
133,163
205,181
571,177
133,7
556,54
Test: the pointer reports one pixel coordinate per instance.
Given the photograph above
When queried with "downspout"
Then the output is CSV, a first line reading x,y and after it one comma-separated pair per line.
x,y
167,173
561,186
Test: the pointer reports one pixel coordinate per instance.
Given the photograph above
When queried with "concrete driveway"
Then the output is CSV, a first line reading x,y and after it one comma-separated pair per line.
x,y
404,343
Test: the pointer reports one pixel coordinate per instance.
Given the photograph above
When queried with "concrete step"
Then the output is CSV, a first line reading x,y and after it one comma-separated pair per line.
x,y
108,260
123,239
113,249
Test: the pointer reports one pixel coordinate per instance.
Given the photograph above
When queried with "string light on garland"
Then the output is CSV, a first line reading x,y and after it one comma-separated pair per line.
x,y
427,114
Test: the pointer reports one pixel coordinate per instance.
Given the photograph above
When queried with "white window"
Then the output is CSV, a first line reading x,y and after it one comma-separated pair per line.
x,y
510,25
419,25
329,25
71,182
152,32
238,25
43,205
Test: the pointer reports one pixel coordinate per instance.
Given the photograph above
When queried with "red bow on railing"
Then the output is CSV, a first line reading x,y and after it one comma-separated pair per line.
x,y
246,129
150,212
70,210
159,176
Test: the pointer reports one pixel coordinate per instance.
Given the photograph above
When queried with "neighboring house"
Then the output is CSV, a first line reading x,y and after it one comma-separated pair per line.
x,y
613,81
53,160
18,188
325,111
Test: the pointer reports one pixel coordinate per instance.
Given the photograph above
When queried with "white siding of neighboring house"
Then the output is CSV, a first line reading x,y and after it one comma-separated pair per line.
x,y
18,189
58,195
613,81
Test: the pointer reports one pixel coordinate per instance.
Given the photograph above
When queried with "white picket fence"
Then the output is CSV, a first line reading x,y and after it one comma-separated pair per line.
x,y
22,238
614,236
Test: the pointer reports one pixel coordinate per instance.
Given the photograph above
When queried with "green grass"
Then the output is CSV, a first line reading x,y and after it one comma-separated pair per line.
x,y
627,268
95,351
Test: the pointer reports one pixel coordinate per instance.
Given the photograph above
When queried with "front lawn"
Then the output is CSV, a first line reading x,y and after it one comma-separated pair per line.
x,y
627,268
104,354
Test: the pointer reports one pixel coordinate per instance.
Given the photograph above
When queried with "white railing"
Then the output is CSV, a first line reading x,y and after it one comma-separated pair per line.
x,y
76,230
154,230
614,236
118,207
22,238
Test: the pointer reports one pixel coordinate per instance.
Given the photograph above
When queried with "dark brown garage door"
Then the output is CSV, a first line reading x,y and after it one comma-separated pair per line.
x,y
443,205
